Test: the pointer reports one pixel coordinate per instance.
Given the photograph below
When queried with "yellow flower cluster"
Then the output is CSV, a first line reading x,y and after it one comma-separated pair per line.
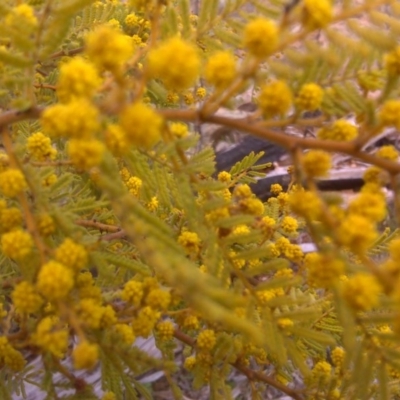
x,y
357,232
93,315
340,130
39,147
78,79
125,332
362,291
77,119
276,188
289,225
316,163
176,62
165,330
220,69
26,299
306,204
338,355
309,97
72,255
145,321
108,49
9,356
206,340
158,299
389,114
45,224
189,363
190,241
178,129
134,184
322,371
116,140
261,37
323,270
50,337
85,153
133,292
316,14
141,124
153,204
16,244
23,15
12,182
54,281
388,152
10,218
85,355
275,98
371,205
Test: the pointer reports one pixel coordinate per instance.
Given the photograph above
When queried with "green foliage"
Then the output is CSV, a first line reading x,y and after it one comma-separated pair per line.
x,y
144,239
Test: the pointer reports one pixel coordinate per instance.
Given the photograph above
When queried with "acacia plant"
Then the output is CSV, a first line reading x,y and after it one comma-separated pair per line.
x,y
114,224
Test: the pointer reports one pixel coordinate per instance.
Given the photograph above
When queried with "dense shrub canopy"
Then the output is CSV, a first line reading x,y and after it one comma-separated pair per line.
x,y
115,225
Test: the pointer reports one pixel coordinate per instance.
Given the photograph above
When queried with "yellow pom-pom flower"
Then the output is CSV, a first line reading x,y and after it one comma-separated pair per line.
x,y
323,270
39,147
165,330
133,292
78,78
85,355
316,14
309,97
316,163
108,49
78,119
134,184
12,182
306,204
190,241
72,255
125,332
388,152
389,115
158,299
275,99
362,291
220,69
176,62
340,130
16,244
261,37
370,205
25,298
10,218
322,371
141,124
145,321
50,337
206,340
289,224
54,281
116,140
85,153
357,232
178,129
276,188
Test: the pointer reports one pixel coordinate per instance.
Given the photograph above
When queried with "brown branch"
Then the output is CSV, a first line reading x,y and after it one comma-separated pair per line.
x,y
97,225
12,116
249,373
67,52
115,236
